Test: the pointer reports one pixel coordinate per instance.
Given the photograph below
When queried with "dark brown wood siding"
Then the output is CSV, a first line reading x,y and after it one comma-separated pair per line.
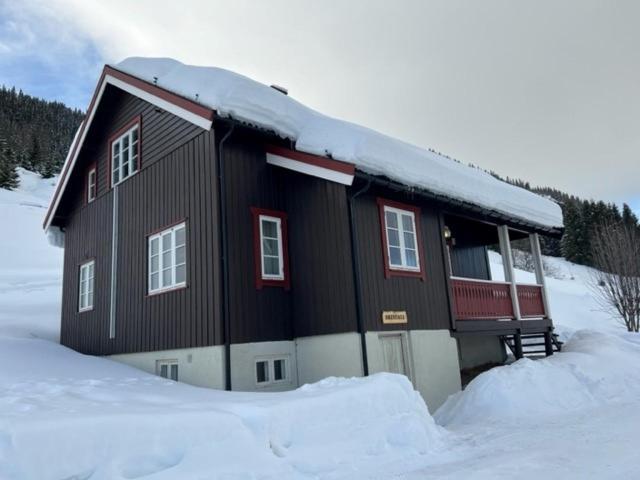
x,y
321,297
177,181
470,262
425,301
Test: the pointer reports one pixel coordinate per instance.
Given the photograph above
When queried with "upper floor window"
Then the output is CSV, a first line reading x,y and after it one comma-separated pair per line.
x,y
400,239
92,184
270,242
87,275
125,153
168,259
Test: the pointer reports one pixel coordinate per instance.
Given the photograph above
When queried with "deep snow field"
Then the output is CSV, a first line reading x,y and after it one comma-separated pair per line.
x,y
68,416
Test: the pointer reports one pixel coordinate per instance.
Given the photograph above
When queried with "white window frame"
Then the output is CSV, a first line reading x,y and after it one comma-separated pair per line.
x,y
270,361
168,363
278,221
132,160
403,248
173,284
86,284
92,185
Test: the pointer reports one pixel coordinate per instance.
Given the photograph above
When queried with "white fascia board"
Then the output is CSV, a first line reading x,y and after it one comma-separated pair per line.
x,y
308,169
160,103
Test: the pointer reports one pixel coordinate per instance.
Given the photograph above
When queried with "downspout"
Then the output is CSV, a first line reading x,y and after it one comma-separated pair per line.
x,y
355,265
226,321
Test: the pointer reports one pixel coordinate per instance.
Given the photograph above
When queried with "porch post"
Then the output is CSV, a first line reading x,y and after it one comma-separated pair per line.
x,y
539,266
507,264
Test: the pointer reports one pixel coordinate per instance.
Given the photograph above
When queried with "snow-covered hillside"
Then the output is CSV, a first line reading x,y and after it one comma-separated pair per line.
x,y
66,415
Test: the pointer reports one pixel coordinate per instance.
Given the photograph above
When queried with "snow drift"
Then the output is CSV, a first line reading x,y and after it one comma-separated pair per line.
x,y
83,416
238,97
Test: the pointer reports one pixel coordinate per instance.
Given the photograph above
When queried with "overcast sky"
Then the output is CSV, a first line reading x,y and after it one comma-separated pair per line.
x,y
547,91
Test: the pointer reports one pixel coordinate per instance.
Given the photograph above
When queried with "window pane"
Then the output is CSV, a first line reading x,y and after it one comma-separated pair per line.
x,y
271,266
180,236
174,372
269,229
90,299
262,372
269,247
394,256
155,243
154,281
409,240
83,274
134,135
391,219
279,372
412,259
155,263
394,238
181,255
163,371
116,176
181,273
125,167
166,277
166,242
91,265
125,142
83,300
407,223
116,151
166,260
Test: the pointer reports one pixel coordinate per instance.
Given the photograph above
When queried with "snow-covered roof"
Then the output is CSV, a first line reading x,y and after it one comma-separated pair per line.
x,y
235,96
241,98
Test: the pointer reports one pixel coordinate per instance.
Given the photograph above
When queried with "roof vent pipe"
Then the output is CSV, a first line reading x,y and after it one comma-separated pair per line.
x,y
280,89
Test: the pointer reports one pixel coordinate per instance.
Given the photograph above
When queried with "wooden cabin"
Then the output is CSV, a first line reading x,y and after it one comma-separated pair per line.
x,y
207,245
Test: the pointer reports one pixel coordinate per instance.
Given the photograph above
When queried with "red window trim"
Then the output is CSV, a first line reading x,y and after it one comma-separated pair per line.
x,y
137,120
390,271
257,251
91,168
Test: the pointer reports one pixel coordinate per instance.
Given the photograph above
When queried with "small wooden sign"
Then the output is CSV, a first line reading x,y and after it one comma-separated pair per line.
x,y
394,317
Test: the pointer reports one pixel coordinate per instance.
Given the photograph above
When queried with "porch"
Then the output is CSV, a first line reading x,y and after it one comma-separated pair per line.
x,y
503,307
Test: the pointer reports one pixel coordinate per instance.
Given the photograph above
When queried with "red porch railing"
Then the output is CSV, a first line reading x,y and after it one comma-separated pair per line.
x,y
485,300
531,302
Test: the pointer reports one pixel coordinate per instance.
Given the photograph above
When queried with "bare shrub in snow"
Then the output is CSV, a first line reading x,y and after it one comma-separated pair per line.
x,y
523,260
616,282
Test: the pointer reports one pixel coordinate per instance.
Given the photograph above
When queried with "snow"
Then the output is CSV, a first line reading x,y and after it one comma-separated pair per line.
x,y
238,97
65,415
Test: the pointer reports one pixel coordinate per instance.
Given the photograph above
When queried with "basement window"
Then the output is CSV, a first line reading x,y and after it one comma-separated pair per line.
x,y
125,152
270,245
87,275
271,371
168,259
400,239
167,369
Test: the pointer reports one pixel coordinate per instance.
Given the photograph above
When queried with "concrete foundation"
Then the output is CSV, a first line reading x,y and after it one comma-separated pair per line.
x,y
322,356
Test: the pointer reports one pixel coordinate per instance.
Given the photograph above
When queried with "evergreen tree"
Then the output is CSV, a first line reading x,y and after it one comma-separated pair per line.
x,y
9,178
628,217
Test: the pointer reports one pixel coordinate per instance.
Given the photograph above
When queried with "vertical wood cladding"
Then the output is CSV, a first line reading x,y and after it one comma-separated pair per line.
x,y
470,262
177,181
321,297
425,301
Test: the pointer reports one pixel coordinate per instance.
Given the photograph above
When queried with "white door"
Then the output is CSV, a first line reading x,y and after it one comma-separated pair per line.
x,y
394,354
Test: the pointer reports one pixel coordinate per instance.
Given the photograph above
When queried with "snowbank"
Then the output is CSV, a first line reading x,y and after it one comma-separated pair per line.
x,y
30,270
83,416
594,369
241,98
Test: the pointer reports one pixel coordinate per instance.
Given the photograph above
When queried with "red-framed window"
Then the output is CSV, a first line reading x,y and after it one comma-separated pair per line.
x,y
124,151
402,250
270,248
91,184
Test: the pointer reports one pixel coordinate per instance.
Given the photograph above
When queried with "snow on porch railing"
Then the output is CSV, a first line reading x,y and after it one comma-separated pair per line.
x,y
531,301
486,300
477,299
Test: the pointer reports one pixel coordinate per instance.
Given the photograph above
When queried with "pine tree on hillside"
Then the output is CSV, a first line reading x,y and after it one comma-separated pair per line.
x,y
9,178
628,217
